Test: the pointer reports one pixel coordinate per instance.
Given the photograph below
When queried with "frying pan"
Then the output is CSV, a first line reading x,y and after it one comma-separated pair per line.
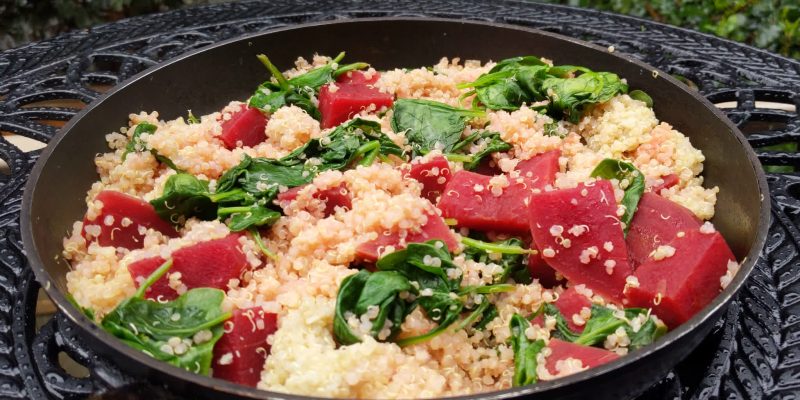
x,y
207,79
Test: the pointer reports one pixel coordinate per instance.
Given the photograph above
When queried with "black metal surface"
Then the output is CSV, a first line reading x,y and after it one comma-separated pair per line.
x,y
752,353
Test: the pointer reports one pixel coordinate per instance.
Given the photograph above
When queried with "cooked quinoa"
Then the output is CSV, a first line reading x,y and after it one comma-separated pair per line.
x,y
316,250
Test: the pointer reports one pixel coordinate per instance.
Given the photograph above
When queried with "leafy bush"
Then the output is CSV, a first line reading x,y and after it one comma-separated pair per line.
x,y
770,24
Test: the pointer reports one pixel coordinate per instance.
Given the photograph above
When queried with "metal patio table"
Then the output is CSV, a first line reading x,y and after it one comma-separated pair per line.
x,y
753,352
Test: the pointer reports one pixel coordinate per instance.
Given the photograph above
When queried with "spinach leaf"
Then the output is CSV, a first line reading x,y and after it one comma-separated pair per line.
x,y
525,352
245,217
489,142
601,324
642,96
359,292
171,331
488,315
605,321
301,90
647,333
191,119
562,328
568,96
620,170
421,270
137,144
511,259
567,89
185,196
430,125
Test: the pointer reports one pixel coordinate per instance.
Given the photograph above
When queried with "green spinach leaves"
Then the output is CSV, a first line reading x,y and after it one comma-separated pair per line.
x,y
639,327
137,144
567,89
245,192
430,125
181,332
422,275
299,91
625,173
526,352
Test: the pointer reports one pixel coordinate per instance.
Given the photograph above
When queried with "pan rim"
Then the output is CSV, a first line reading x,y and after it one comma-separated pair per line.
x,y
77,317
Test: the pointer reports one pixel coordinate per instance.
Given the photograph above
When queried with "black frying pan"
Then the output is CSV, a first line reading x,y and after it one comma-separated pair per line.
x,y
207,79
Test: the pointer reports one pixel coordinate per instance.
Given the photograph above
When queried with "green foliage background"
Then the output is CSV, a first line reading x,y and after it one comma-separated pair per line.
x,y
770,24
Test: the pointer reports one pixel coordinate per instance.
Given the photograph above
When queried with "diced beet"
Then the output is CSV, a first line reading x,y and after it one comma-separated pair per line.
x,y
669,181
677,287
347,100
433,175
542,167
469,200
337,196
589,356
586,216
656,222
206,264
120,219
358,78
569,303
540,270
245,128
240,353
435,228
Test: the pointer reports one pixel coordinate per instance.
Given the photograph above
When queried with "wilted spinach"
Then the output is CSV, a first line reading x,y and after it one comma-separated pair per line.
x,y
511,258
620,170
605,321
136,144
359,292
150,326
430,125
245,192
300,91
420,270
489,142
525,352
567,89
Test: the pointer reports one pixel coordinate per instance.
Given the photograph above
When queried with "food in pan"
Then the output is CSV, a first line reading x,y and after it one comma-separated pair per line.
x,y
443,230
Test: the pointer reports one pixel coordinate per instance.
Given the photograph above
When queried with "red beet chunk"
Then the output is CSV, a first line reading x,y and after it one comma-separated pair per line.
x,y
469,200
589,356
570,303
245,128
349,99
679,286
240,353
669,181
358,78
435,228
205,264
433,175
120,219
337,196
656,222
541,169
586,216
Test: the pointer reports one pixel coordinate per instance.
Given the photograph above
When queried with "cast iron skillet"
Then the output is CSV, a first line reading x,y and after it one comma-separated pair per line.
x,y
207,79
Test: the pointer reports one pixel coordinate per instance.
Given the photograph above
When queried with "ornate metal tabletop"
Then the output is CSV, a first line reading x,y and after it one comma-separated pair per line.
x,y
753,352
